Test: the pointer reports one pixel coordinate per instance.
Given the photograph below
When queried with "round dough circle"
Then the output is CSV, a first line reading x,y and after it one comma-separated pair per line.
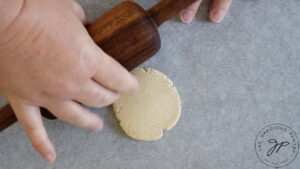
x,y
156,107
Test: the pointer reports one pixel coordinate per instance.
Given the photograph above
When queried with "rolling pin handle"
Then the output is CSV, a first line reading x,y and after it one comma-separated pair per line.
x,y
7,117
166,9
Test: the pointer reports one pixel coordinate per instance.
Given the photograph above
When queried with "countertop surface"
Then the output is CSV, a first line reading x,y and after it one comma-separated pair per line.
x,y
234,79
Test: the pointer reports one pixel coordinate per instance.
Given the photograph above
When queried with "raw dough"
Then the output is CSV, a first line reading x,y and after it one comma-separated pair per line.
x,y
156,107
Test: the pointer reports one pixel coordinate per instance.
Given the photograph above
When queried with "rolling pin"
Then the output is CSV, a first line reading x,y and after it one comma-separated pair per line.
x,y
128,33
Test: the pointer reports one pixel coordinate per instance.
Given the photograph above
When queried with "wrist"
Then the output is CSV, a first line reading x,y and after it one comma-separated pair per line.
x,y
9,11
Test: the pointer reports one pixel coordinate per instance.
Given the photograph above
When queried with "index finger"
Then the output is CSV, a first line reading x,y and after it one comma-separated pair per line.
x,y
113,76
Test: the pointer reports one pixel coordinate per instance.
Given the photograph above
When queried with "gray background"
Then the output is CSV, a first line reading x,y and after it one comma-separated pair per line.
x,y
234,78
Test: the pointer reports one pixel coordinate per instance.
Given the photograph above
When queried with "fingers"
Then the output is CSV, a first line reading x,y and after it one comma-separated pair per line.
x,y
31,121
79,12
95,95
218,10
113,76
189,13
73,113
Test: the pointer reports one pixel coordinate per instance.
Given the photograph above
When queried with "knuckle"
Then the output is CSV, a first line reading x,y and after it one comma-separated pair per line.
x,y
127,86
107,100
67,88
83,120
31,129
97,94
38,138
122,85
80,119
61,90
92,66
104,100
71,117
114,99
40,143
101,99
91,63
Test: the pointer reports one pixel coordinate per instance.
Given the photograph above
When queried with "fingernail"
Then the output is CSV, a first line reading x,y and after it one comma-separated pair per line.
x,y
187,16
218,15
50,157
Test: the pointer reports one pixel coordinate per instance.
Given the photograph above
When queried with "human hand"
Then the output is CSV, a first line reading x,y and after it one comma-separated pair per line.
x,y
217,11
47,59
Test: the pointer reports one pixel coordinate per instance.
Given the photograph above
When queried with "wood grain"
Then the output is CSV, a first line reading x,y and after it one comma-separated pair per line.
x,y
166,9
7,117
128,33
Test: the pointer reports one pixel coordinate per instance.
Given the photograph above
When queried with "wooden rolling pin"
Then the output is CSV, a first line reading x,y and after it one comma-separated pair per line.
x,y
128,33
